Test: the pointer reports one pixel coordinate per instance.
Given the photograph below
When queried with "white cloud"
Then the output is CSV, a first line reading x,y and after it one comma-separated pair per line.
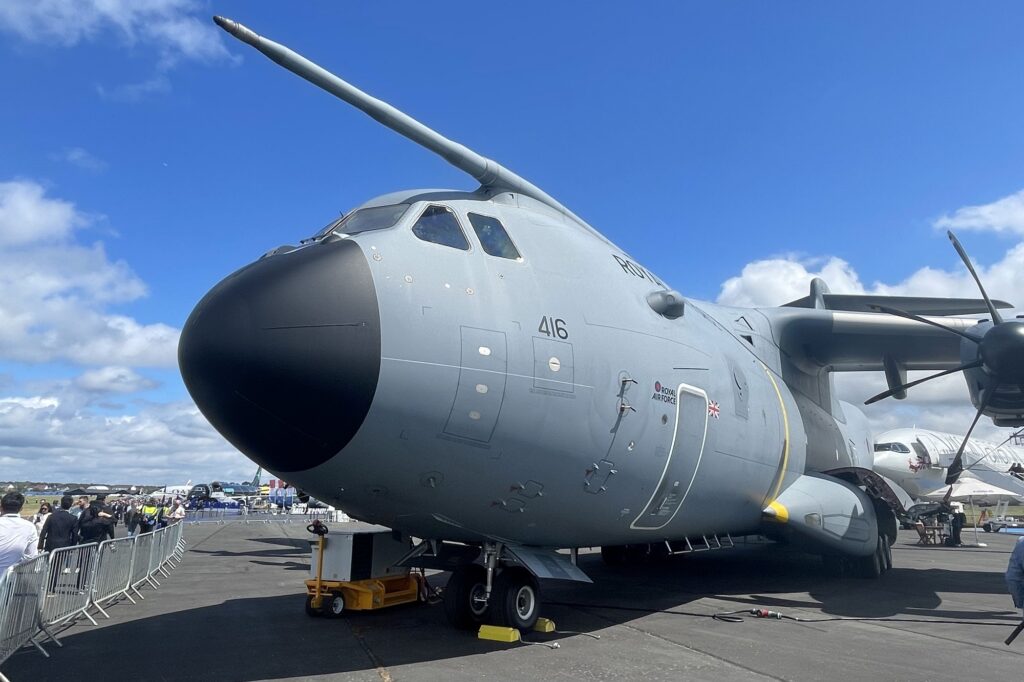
x,y
942,404
27,216
167,25
77,156
1003,215
776,281
113,380
55,293
41,439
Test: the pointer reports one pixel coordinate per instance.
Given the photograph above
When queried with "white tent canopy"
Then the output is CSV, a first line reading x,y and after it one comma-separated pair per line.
x,y
968,488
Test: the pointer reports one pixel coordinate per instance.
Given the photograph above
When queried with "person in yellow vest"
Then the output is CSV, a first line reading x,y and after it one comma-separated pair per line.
x,y
148,516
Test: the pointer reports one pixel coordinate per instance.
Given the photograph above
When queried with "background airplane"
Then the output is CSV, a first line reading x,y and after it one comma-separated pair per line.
x,y
172,491
919,459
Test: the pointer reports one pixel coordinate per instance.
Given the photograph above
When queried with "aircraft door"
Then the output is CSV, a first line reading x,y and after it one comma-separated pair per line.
x,y
683,460
481,389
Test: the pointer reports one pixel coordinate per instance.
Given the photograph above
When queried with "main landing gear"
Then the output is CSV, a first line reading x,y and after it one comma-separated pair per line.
x,y
869,567
476,595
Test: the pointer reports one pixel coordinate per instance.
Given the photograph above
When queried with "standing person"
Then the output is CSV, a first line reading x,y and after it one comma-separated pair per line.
x,y
59,529
161,515
177,512
148,516
18,537
96,523
80,506
40,517
1015,574
131,516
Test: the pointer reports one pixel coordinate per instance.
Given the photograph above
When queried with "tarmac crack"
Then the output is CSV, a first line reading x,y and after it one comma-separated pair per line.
x,y
382,670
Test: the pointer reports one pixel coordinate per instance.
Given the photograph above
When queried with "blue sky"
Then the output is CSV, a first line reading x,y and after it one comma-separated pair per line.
x,y
716,142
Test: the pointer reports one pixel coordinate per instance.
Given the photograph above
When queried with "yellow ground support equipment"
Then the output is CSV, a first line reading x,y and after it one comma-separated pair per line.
x,y
355,555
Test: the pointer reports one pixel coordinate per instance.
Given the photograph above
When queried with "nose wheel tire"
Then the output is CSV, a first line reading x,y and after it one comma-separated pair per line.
x,y
464,603
515,599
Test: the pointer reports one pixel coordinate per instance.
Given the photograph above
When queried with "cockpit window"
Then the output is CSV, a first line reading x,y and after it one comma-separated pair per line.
x,y
364,220
369,219
891,447
439,225
493,237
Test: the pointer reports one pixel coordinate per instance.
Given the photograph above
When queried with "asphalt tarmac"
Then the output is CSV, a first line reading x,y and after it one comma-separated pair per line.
x,y
234,610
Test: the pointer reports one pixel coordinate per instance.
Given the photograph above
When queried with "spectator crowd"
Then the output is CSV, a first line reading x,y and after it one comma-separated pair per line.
x,y
75,522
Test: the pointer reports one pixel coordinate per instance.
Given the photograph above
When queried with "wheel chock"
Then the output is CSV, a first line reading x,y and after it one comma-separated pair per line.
x,y
544,625
497,633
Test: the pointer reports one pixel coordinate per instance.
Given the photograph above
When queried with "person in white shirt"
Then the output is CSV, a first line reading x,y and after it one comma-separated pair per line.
x,y
40,518
18,536
177,513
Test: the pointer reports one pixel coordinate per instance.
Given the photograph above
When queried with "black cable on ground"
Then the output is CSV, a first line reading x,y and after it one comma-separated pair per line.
x,y
738,616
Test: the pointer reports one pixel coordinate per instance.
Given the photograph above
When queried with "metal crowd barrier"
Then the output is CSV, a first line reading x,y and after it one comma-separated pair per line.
x,y
113,572
56,588
69,585
21,589
140,567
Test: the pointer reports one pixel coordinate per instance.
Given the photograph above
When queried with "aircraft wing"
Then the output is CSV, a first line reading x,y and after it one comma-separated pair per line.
x,y
849,341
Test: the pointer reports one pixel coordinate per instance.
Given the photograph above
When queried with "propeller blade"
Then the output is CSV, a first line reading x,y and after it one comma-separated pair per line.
x,y
917,318
957,467
996,319
911,384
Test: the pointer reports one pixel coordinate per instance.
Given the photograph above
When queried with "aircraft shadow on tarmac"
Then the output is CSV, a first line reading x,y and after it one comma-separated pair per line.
x,y
271,637
767,579
286,548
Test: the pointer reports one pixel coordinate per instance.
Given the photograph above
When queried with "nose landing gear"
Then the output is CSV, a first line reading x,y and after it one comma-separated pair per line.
x,y
507,596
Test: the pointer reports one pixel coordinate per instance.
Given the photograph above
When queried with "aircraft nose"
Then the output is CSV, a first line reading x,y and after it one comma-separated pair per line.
x,y
283,356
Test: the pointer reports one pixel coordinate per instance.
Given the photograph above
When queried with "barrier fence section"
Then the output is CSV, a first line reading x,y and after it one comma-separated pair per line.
x,y
140,566
56,588
113,572
69,585
21,590
303,516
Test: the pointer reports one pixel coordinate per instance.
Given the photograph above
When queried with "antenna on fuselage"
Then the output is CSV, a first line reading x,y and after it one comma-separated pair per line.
x,y
490,174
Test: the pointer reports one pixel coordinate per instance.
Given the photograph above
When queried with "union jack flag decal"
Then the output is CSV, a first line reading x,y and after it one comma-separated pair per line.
x,y
713,409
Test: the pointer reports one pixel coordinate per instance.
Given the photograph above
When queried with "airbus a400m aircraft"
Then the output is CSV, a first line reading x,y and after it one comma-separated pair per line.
x,y
486,371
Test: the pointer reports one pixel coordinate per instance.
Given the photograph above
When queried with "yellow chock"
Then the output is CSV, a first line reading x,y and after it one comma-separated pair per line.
x,y
496,633
544,625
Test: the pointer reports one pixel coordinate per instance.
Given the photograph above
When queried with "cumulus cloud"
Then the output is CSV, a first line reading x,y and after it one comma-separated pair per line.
x,y
775,281
169,27
1003,215
941,404
27,216
55,293
41,439
57,305
114,380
